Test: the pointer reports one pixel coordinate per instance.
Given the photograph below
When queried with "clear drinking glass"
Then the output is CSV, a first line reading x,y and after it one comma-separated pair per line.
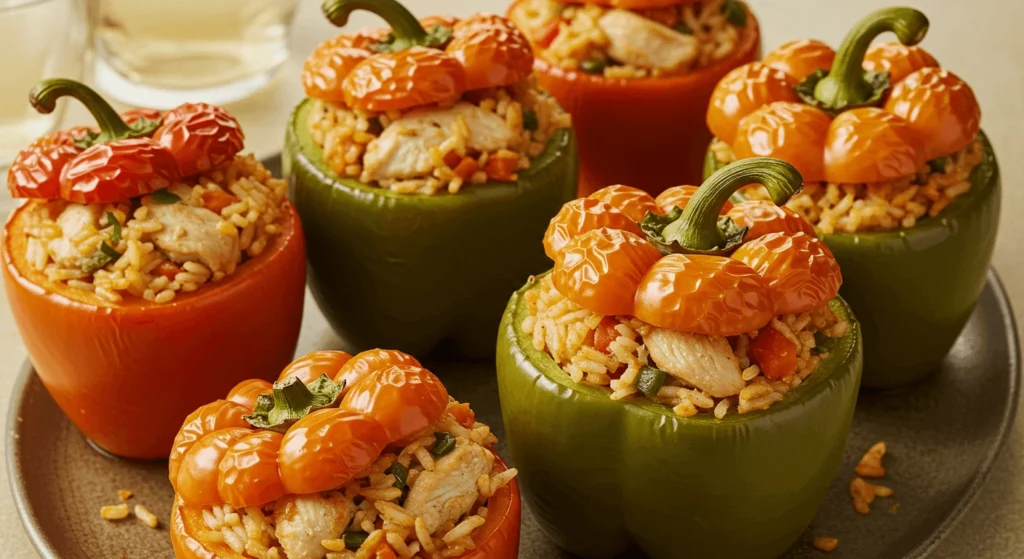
x,y
161,53
40,39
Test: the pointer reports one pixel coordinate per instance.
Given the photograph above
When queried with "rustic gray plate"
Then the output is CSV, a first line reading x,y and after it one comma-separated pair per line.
x,y
943,436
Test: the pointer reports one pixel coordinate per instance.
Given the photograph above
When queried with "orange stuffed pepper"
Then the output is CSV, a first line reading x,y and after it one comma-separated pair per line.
x,y
363,456
149,254
636,76
900,179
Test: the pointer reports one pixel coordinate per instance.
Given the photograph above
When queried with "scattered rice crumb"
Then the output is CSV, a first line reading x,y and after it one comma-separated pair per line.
x,y
114,512
124,494
871,463
827,545
147,517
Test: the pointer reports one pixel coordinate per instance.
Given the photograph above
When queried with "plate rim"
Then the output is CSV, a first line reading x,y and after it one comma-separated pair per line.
x,y
46,550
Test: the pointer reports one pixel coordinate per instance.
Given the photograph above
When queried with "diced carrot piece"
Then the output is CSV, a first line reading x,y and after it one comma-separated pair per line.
x,y
386,553
168,270
465,168
463,414
774,353
452,159
502,167
217,200
605,334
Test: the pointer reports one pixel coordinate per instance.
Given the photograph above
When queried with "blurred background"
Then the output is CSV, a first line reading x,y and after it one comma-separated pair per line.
x,y
248,55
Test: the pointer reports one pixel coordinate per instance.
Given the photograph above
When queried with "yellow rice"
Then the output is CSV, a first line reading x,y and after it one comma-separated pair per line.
x,y
565,331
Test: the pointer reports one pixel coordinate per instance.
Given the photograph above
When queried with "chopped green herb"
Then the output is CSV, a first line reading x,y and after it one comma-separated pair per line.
x,y
683,28
354,540
443,444
735,13
823,343
400,472
292,400
97,260
115,235
939,164
530,121
593,66
162,196
650,380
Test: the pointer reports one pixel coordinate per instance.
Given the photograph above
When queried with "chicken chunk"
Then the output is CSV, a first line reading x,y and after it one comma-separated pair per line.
x,y
303,521
191,233
706,362
72,221
403,150
449,492
636,40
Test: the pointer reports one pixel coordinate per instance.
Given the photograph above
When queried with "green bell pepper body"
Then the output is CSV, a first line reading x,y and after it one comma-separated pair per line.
x,y
914,289
602,476
410,271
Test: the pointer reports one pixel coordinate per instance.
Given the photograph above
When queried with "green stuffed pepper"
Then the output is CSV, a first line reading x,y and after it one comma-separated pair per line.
x,y
901,182
687,392
425,164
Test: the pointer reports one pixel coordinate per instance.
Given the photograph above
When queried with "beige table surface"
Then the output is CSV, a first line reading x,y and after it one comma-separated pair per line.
x,y
981,40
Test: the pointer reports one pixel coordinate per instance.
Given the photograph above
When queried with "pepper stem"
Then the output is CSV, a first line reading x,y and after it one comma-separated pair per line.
x,y
847,83
404,25
44,99
698,228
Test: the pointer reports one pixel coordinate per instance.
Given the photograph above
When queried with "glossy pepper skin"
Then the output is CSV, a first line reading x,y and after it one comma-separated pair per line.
x,y
126,374
603,476
915,288
412,271
648,133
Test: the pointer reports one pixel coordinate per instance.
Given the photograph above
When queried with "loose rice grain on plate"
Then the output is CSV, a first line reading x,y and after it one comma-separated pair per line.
x,y
267,532
489,134
852,208
197,231
685,37
566,332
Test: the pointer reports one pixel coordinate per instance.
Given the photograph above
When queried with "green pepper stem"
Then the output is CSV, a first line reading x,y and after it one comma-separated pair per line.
x,y
846,83
44,99
404,24
697,228
290,397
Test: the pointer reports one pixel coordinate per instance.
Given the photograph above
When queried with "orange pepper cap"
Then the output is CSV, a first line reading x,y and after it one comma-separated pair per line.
x,y
800,270
897,59
941,109
800,58
871,145
601,269
793,132
633,202
403,80
741,92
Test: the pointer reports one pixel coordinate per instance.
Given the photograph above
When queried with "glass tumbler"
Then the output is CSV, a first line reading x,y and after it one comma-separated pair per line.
x,y
155,53
40,39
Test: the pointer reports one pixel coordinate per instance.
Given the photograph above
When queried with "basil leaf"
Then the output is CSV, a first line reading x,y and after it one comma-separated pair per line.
x,y
163,196
115,235
593,66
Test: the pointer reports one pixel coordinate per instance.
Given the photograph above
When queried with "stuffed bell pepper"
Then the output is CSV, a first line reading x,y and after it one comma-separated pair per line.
x,y
636,75
425,164
363,457
900,181
684,384
151,267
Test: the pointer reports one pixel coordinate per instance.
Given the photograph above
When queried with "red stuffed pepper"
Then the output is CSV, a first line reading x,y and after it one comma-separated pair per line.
x,y
149,249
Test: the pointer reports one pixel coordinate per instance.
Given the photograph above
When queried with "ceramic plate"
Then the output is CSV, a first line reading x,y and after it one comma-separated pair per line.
x,y
943,436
